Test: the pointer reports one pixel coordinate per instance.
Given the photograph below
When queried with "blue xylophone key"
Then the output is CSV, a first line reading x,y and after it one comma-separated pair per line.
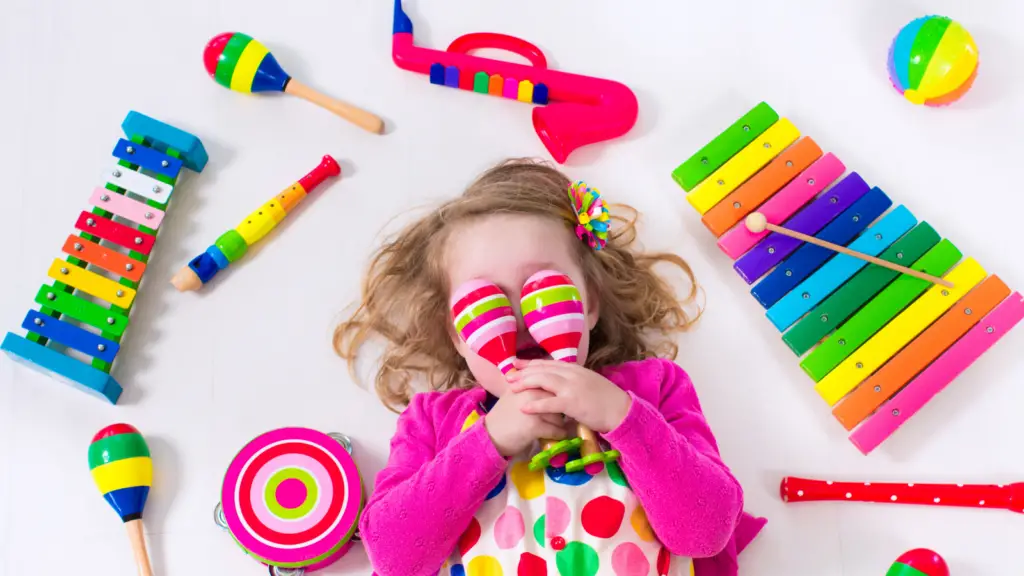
x,y
148,158
71,336
809,257
839,269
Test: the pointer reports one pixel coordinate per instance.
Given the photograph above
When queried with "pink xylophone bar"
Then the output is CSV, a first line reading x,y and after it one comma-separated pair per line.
x,y
86,308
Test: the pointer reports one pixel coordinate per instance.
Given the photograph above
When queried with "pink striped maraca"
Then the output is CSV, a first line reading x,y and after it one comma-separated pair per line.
x,y
483,316
553,313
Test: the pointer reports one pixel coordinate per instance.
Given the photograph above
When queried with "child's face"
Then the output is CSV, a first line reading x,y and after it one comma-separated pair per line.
x,y
507,249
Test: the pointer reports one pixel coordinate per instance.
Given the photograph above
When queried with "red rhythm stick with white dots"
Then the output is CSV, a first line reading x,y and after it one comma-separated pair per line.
x,y
998,496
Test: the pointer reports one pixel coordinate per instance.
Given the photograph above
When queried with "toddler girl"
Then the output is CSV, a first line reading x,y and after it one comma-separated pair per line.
x,y
457,495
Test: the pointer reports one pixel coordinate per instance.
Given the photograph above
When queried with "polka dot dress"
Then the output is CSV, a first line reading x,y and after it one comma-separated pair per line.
x,y
555,523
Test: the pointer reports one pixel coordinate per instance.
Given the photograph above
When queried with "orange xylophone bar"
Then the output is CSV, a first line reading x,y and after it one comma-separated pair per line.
x,y
75,335
878,344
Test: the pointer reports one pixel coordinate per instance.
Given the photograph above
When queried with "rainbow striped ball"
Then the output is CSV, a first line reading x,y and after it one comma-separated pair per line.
x,y
243,64
933,61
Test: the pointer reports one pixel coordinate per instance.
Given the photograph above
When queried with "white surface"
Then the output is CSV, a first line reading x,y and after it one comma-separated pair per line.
x,y
206,372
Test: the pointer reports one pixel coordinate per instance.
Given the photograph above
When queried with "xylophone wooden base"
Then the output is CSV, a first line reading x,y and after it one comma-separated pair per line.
x,y
63,368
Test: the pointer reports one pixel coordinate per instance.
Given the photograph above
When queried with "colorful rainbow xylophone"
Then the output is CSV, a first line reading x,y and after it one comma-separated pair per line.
x,y
574,110
86,309
878,344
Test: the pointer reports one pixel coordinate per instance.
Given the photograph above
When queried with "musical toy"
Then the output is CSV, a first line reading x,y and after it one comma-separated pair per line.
x,y
993,496
483,317
240,63
572,110
122,469
919,562
757,222
552,311
933,61
96,285
234,243
291,499
879,344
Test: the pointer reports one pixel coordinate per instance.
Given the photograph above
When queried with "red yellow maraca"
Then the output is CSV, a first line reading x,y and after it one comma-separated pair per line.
x,y
243,64
123,471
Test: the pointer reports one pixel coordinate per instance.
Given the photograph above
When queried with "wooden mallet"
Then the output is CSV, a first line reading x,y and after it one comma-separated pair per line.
x,y
756,222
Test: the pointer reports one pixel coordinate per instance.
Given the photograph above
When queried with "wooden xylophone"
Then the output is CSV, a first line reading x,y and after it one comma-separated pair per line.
x,y
878,344
86,308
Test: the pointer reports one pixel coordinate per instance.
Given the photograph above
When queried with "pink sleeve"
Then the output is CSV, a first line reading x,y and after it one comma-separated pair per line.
x,y
424,498
671,460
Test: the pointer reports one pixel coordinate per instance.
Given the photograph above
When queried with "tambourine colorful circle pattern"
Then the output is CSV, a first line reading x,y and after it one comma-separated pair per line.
x,y
291,497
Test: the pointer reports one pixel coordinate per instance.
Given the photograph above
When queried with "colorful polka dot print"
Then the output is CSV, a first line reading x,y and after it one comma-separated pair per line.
x,y
555,523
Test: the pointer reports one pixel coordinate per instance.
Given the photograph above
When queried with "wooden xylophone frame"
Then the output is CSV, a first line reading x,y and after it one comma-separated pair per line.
x,y
87,307
879,345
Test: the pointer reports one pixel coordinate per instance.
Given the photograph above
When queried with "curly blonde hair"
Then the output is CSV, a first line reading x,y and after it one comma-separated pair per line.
x,y
405,291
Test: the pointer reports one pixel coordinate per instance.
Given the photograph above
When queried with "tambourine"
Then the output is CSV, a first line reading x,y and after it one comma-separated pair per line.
x,y
291,499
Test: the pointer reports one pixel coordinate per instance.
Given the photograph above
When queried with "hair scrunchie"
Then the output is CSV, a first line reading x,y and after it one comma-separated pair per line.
x,y
592,216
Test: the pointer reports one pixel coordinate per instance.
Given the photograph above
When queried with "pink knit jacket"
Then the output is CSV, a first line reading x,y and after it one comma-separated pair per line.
x,y
436,477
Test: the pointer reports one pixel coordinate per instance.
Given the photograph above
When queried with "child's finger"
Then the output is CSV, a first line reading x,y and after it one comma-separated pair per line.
x,y
553,419
552,405
545,430
531,384
548,382
554,365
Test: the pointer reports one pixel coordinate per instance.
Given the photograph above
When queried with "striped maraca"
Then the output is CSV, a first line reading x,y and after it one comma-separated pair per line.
x,y
123,471
483,317
239,62
553,313
919,562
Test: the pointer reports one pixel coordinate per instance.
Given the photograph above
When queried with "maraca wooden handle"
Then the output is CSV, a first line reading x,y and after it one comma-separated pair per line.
x,y
999,496
590,445
138,541
357,116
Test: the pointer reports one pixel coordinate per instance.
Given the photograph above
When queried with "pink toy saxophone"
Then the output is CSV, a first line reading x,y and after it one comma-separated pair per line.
x,y
574,110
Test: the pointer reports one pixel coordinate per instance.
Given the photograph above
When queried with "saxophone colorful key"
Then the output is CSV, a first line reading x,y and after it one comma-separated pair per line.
x,y
234,243
122,469
243,64
105,258
553,313
881,310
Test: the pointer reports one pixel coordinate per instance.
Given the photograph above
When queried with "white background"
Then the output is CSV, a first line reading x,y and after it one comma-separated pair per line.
x,y
204,373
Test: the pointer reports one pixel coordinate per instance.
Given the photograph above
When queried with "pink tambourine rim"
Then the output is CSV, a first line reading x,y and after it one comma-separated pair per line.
x,y
301,554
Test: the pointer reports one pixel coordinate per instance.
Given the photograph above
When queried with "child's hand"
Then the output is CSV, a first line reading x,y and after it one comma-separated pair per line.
x,y
577,392
513,430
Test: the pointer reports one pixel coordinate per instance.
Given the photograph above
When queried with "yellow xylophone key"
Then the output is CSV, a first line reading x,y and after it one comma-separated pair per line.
x,y
899,332
91,283
743,165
